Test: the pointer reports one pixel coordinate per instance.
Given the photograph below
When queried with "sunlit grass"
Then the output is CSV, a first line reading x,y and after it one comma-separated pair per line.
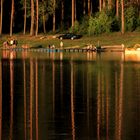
x,y
128,39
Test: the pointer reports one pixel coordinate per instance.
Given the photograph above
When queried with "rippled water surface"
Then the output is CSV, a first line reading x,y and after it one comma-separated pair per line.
x,y
69,96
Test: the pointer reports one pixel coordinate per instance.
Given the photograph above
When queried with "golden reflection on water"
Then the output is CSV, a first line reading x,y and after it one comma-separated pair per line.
x,y
31,97
72,102
11,97
99,106
127,55
25,90
0,100
53,85
132,55
36,97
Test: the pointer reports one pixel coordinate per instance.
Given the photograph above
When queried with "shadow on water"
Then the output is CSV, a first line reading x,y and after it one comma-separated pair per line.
x,y
69,96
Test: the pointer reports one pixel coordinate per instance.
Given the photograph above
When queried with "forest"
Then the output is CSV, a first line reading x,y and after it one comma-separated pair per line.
x,y
91,17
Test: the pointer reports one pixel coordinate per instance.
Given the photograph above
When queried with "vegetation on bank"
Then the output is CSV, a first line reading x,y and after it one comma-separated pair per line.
x,y
129,39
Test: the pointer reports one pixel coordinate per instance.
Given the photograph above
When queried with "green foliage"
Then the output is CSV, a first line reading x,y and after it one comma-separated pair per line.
x,y
75,29
115,25
131,19
99,24
84,25
93,26
138,24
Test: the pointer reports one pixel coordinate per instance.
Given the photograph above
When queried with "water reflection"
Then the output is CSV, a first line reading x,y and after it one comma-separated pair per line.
x,y
0,101
11,97
69,97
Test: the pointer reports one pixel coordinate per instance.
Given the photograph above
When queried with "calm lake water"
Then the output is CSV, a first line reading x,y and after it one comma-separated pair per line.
x,y
69,96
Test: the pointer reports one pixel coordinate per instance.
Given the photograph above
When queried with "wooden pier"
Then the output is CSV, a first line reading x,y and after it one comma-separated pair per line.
x,y
115,48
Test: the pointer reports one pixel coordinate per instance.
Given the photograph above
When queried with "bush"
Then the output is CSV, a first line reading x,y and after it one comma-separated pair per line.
x,y
84,25
138,24
99,24
115,25
76,27
131,19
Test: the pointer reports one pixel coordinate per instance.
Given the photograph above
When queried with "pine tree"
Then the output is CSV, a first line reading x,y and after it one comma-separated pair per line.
x,y
32,18
12,18
1,16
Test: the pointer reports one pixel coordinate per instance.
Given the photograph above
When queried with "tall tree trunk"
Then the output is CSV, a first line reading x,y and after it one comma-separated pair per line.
x,y
36,32
104,4
1,16
32,18
73,11
62,13
122,16
43,18
100,5
12,17
84,7
89,6
54,4
25,15
117,8
109,4
44,21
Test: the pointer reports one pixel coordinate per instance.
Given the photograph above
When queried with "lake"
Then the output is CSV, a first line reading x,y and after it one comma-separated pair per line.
x,y
69,96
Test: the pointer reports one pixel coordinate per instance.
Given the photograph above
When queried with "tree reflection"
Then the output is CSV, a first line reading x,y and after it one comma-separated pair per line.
x,y
0,100
119,105
11,97
65,99
9,54
36,96
31,97
72,102
25,90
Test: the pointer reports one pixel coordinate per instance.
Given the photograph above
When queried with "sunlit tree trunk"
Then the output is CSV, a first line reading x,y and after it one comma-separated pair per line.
x,y
109,4
122,16
44,19
1,16
36,32
12,17
73,11
117,8
32,18
54,4
62,13
100,5
104,4
84,7
25,15
89,6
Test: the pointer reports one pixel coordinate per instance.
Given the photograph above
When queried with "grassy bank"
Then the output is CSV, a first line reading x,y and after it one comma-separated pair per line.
x,y
128,39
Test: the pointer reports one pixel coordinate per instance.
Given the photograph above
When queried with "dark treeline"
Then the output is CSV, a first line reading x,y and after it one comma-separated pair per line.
x,y
81,16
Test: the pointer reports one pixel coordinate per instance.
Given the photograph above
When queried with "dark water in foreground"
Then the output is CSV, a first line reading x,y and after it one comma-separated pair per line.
x,y
70,96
